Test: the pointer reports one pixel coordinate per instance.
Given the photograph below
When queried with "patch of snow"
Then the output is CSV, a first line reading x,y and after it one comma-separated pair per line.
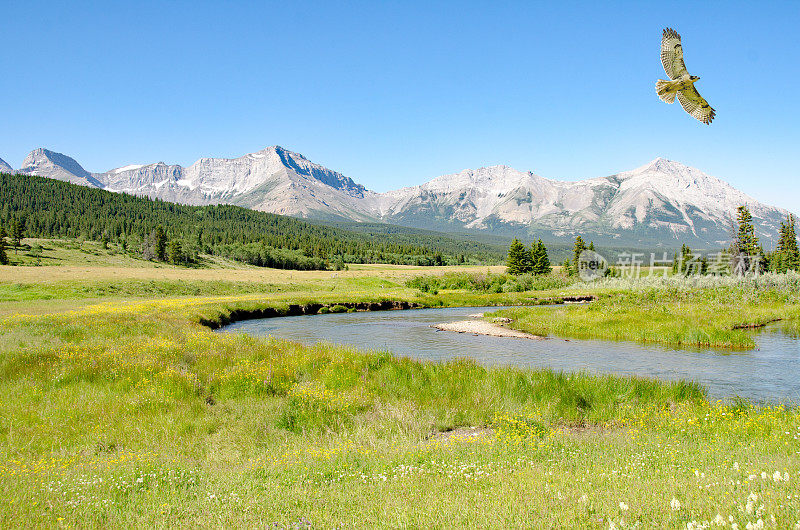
x,y
129,168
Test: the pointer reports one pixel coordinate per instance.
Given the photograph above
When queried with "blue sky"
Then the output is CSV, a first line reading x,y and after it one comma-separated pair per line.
x,y
395,93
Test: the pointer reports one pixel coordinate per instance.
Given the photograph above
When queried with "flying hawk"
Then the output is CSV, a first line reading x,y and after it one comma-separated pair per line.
x,y
681,84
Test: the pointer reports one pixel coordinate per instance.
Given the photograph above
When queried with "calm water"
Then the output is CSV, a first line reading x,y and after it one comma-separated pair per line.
x,y
769,373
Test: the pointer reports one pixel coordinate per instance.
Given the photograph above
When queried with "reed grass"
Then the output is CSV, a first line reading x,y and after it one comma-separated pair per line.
x,y
704,312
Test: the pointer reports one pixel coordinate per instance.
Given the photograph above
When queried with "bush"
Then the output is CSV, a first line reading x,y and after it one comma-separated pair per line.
x,y
489,283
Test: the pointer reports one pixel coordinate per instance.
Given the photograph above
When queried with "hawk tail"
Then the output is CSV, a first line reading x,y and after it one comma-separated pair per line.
x,y
662,89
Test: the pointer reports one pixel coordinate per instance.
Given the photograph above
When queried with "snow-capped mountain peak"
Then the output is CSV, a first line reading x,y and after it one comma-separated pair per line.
x,y
662,202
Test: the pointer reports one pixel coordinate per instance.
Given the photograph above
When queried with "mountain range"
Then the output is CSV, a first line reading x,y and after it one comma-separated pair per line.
x,y
662,203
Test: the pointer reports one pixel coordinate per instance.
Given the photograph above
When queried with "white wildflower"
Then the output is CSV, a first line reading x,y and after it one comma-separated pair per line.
x,y
675,504
719,520
763,475
758,525
777,477
623,507
736,466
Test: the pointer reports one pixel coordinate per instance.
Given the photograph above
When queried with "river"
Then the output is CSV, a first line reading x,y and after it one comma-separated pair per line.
x,y
770,373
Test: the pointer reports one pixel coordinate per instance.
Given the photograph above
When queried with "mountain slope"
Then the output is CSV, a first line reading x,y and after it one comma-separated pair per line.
x,y
5,168
54,208
662,203
45,163
272,180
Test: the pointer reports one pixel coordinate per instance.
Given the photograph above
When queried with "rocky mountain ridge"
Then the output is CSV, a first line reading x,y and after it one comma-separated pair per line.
x,y
660,203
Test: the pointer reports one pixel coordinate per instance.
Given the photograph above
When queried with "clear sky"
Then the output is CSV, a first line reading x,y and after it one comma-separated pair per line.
x,y
395,93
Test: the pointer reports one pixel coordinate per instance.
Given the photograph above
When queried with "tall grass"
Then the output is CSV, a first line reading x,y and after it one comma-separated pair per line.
x,y
132,414
703,311
488,283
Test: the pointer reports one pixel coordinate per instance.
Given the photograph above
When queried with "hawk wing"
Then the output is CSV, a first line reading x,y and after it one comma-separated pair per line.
x,y
696,105
672,54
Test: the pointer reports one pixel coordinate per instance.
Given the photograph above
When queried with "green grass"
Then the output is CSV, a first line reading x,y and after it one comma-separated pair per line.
x,y
675,311
489,283
12,292
133,414
36,252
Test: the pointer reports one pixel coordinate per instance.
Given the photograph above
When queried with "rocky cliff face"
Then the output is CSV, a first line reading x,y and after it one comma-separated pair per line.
x,y
5,168
273,180
49,164
662,202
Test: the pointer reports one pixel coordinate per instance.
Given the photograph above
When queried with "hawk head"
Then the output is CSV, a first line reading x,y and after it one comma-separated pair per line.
x,y
694,78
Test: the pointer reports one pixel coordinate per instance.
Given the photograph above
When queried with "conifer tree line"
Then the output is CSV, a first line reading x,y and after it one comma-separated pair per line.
x,y
686,264
522,260
163,231
746,254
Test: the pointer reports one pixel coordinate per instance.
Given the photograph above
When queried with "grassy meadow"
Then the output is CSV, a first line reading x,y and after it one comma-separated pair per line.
x,y
118,408
705,311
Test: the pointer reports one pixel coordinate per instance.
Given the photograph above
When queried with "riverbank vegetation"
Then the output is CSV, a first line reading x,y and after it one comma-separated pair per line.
x,y
126,411
695,311
488,282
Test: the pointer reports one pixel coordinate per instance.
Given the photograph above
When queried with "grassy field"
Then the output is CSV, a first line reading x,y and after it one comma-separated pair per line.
x,y
689,312
118,408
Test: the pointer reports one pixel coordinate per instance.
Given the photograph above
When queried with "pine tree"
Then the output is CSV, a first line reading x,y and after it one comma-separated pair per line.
x,y
580,246
534,255
544,260
160,244
789,255
518,258
745,245
17,233
746,241
175,252
3,255
685,262
539,258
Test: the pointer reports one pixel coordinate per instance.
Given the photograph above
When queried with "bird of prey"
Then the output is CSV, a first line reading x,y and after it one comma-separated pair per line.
x,y
681,84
